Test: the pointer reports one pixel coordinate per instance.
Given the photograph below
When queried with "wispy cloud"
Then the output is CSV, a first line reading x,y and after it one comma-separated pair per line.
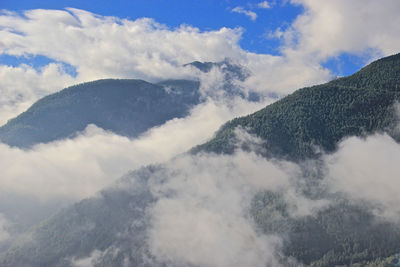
x,y
264,4
252,15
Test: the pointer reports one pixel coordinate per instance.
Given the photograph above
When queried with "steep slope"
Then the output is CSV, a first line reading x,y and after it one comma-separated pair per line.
x,y
126,107
316,117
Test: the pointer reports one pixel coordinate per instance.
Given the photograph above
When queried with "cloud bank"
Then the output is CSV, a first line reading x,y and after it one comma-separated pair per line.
x,y
202,208
79,167
326,29
203,201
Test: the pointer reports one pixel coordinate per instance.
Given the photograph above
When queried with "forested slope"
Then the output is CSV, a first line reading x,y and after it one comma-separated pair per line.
x,y
125,107
316,117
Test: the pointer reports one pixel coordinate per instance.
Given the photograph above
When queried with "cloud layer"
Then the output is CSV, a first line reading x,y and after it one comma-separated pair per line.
x,y
203,201
79,167
202,211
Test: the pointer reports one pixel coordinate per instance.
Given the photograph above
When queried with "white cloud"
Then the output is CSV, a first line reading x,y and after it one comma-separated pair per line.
x,y
21,86
202,209
79,167
367,170
282,75
264,4
327,28
113,47
252,15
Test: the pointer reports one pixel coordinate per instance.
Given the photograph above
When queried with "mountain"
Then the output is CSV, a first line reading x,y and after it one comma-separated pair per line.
x,y
125,107
320,116
232,73
230,70
295,128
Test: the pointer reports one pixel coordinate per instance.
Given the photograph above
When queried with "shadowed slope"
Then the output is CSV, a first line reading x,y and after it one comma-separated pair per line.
x,y
125,107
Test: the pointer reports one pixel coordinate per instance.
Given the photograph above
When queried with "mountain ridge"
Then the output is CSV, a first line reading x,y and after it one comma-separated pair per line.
x,y
298,124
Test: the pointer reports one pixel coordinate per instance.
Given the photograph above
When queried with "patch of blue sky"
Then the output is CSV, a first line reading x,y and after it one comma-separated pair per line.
x,y
259,35
345,64
35,61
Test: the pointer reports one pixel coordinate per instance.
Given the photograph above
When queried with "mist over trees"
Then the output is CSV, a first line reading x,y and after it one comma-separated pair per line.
x,y
262,191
